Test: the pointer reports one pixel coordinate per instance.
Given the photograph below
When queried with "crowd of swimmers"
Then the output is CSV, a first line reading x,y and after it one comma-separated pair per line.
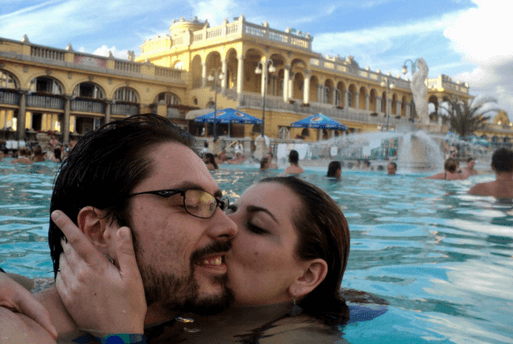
x,y
501,165
54,151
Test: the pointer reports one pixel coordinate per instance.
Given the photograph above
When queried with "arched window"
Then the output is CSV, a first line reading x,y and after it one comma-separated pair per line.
x,y
7,80
168,98
88,90
126,94
44,84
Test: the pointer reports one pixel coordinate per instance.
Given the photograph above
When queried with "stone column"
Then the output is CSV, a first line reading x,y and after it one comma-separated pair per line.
x,y
286,78
378,104
346,104
20,126
224,81
263,81
240,75
65,123
397,107
108,105
356,100
306,87
291,86
367,105
204,74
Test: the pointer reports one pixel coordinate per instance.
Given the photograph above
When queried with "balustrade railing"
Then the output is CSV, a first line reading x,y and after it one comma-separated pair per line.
x,y
47,53
87,106
48,102
10,98
168,73
125,109
363,116
128,66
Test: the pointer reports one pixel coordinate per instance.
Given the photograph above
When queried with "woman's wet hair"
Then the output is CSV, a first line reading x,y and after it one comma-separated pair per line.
x,y
105,166
323,232
293,157
451,165
211,160
333,167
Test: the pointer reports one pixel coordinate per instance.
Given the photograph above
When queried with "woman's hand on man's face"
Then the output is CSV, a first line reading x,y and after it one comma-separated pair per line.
x,y
100,296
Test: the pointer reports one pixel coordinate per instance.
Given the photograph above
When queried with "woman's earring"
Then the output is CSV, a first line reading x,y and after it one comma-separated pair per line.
x,y
295,308
109,258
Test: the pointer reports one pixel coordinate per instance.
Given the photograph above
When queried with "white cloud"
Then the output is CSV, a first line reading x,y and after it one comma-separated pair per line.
x,y
380,38
479,35
60,20
104,51
215,11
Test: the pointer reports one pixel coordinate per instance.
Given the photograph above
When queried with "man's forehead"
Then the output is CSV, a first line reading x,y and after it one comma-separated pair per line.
x,y
176,166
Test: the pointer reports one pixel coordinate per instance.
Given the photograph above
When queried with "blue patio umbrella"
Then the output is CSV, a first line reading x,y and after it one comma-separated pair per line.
x,y
228,116
318,121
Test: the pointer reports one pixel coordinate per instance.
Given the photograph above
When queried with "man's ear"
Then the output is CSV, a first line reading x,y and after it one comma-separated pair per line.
x,y
315,272
94,225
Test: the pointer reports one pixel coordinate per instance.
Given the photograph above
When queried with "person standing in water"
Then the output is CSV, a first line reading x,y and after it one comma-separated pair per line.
x,y
294,167
502,186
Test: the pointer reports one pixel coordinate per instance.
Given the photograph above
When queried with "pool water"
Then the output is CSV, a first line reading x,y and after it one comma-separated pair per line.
x,y
441,258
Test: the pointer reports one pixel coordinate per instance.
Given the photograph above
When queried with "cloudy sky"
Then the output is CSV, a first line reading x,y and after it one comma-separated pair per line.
x,y
464,39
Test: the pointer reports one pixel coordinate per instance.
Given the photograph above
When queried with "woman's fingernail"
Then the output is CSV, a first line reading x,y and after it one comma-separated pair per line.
x,y
55,215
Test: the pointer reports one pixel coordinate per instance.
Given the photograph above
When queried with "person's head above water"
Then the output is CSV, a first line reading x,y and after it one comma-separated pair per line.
x,y
334,169
142,173
502,160
293,242
451,165
293,157
392,168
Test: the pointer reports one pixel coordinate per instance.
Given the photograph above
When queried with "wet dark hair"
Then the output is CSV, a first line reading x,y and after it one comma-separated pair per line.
x,y
263,162
211,159
451,165
502,160
105,166
293,157
333,167
58,154
394,164
323,233
470,159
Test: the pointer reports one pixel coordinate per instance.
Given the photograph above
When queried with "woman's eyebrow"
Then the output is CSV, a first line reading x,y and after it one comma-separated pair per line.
x,y
255,209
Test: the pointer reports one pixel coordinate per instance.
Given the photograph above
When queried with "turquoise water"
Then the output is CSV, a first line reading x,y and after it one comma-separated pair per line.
x,y
441,258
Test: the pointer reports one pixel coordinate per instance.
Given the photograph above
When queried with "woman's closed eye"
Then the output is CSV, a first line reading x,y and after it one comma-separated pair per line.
x,y
256,229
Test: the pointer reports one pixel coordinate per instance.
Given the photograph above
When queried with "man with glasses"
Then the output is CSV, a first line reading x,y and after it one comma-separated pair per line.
x,y
141,173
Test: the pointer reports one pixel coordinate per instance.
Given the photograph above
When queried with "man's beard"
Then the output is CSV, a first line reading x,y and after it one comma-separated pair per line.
x,y
182,293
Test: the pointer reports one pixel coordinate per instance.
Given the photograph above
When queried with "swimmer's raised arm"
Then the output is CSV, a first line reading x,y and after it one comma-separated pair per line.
x,y
100,296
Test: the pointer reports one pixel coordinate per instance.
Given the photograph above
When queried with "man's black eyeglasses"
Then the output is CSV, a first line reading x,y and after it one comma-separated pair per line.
x,y
198,203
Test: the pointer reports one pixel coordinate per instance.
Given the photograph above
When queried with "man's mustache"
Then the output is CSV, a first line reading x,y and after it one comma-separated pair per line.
x,y
219,246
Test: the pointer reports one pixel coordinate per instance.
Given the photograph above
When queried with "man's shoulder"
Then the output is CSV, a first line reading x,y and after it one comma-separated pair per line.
x,y
484,189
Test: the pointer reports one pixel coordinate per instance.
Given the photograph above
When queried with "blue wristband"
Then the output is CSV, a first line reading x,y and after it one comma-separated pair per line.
x,y
120,338
124,338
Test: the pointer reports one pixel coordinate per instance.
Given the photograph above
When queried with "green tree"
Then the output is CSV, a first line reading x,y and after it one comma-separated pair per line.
x,y
465,118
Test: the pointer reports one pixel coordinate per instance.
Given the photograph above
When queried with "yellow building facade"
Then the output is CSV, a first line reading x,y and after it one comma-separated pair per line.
x,y
44,89
68,92
254,60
